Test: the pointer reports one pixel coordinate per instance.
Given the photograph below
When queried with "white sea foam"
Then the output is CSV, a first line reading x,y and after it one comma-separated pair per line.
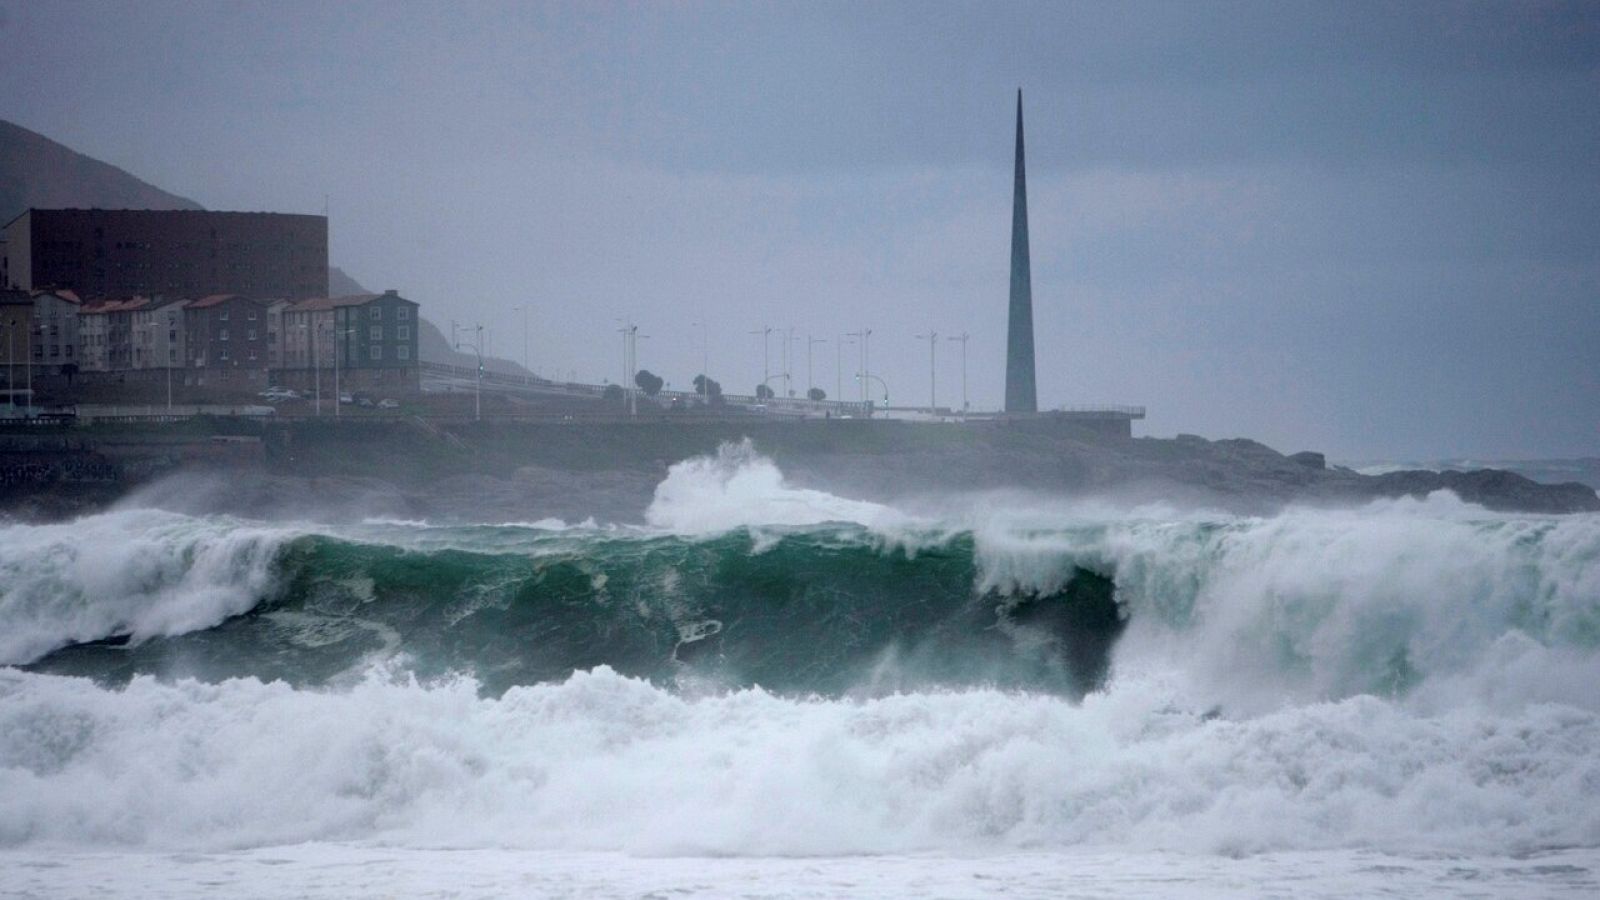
x,y
739,487
140,573
1424,598
602,762
1413,677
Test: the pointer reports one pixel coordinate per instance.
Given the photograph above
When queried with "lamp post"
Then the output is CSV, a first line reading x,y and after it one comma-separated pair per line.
x,y
526,370
766,357
962,340
11,364
27,360
932,337
865,335
705,353
150,343
630,364
838,367
339,342
315,335
477,347
811,382
788,341
864,378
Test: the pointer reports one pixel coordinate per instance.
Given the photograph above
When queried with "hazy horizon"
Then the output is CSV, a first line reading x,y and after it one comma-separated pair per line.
x,y
1359,229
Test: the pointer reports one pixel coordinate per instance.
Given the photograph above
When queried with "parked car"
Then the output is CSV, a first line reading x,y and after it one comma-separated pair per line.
x,y
346,399
388,403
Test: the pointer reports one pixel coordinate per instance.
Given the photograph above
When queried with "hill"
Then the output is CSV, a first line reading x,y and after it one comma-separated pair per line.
x,y
36,171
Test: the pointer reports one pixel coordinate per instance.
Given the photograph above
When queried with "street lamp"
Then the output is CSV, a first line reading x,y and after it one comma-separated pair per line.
x,y
477,347
788,340
865,379
932,337
810,382
149,348
766,357
11,364
838,367
962,340
340,344
865,335
630,364
526,371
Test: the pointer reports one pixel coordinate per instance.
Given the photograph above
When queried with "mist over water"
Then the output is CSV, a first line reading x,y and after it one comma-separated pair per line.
x,y
1411,676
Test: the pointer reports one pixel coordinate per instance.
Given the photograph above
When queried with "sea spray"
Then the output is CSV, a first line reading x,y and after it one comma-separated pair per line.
x,y
1408,677
739,487
603,762
135,573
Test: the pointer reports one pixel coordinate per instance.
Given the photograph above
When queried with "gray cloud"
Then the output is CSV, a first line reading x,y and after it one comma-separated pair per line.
x,y
1365,228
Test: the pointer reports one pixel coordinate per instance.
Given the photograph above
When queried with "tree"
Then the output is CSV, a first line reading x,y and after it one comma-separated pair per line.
x,y
817,393
709,388
612,392
763,392
649,382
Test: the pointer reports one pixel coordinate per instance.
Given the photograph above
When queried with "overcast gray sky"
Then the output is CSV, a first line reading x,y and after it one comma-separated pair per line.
x,y
1370,229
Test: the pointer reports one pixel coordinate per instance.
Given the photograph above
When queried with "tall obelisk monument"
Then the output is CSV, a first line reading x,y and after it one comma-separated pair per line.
x,y
1020,392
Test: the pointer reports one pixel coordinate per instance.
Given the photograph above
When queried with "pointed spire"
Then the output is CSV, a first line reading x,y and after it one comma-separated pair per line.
x,y
1021,396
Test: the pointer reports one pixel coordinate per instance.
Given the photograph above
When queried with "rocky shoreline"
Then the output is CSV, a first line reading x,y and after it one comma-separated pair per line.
x,y
521,471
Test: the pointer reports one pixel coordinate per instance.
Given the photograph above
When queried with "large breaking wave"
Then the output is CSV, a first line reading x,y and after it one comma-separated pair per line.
x,y
1413,675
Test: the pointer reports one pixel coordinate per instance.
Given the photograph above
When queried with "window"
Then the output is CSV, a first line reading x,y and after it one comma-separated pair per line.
x,y
375,351
403,352
223,355
401,313
222,335
250,335
402,332
252,353
38,351
224,316
376,313
375,333
252,315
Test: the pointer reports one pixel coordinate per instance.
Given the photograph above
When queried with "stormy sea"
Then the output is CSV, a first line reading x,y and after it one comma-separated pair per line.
x,y
764,690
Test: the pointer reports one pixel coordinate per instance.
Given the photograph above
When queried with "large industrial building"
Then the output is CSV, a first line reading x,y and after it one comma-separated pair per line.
x,y
191,253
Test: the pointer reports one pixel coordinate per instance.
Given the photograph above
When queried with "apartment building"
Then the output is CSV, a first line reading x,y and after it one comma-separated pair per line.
x,y
191,253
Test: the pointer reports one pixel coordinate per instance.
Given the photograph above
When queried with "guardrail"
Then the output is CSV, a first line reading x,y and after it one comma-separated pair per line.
x,y
1132,412
794,406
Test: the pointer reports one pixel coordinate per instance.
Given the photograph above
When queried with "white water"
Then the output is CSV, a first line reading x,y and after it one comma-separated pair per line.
x,y
1410,679
140,573
739,487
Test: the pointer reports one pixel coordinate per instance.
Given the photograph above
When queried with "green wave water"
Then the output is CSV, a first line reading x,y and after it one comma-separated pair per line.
x,y
820,609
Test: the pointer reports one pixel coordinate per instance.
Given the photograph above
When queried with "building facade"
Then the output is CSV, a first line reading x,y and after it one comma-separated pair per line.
x,y
376,331
306,333
105,333
226,331
158,334
55,324
16,347
121,252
